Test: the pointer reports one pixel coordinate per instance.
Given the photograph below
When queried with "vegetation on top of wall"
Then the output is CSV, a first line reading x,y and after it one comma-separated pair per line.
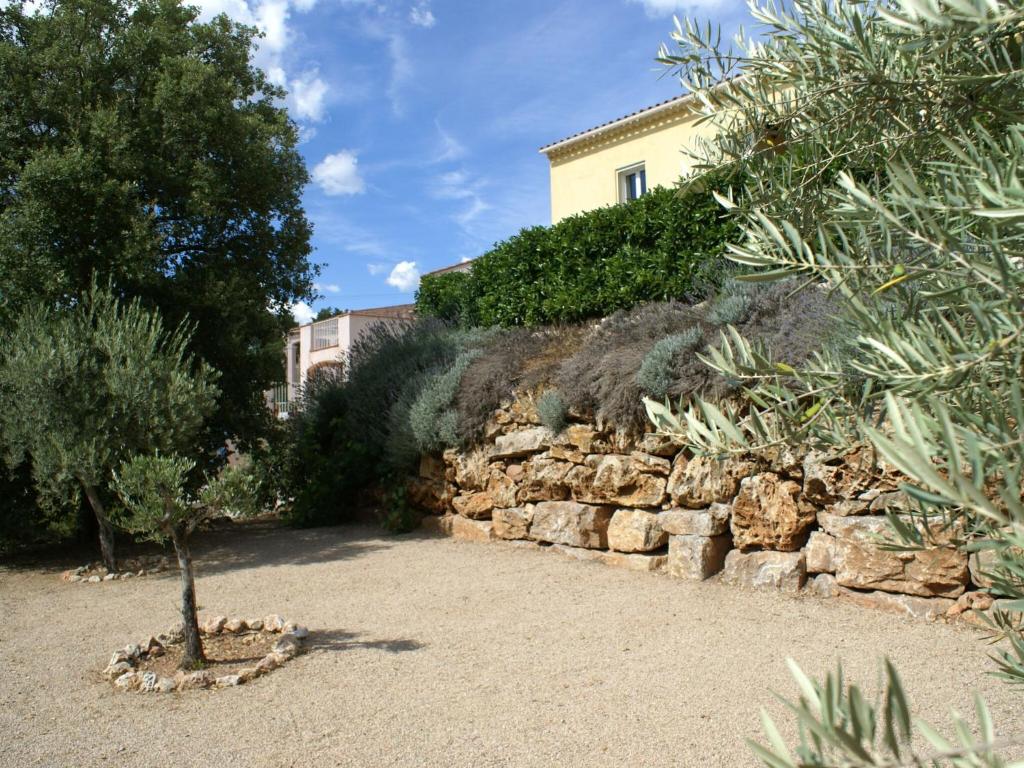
x,y
665,245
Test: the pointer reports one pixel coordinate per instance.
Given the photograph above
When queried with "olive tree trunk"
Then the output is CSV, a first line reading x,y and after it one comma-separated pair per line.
x,y
193,656
106,529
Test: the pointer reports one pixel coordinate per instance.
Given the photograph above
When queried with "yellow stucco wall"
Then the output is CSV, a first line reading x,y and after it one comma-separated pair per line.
x,y
584,175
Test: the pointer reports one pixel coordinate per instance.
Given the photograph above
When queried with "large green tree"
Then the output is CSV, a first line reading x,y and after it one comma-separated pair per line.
x,y
143,147
85,389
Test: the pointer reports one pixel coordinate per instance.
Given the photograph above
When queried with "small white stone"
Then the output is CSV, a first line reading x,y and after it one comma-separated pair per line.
x,y
273,623
95,579
127,682
228,681
164,685
148,682
116,669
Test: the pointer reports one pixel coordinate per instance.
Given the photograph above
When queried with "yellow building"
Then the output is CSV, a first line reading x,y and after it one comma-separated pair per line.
x,y
621,159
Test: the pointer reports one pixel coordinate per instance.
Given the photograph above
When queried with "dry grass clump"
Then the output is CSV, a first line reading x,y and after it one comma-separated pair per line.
x,y
603,370
492,377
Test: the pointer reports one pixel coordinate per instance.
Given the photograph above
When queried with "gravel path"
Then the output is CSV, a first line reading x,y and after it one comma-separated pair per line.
x,y
432,652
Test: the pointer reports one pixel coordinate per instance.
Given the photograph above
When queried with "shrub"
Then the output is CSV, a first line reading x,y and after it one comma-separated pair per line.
x,y
552,410
433,420
449,296
319,464
729,309
665,245
657,375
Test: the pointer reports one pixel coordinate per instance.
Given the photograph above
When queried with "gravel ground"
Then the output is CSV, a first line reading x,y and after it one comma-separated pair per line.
x,y
432,652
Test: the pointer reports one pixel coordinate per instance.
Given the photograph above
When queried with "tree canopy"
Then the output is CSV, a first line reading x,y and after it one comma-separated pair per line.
x,y
84,389
142,147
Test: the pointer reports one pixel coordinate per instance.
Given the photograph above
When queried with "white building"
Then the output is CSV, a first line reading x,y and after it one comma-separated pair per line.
x,y
325,345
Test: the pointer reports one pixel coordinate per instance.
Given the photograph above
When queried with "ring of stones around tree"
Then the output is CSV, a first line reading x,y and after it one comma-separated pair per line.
x,y
95,573
146,667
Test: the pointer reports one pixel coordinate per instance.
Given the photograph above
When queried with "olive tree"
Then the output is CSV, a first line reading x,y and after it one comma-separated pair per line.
x,y
158,506
82,389
877,150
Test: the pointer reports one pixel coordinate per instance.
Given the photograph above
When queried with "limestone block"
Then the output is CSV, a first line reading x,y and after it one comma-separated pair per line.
x,y
512,523
571,523
929,609
616,479
821,553
697,557
471,530
768,513
521,443
862,563
635,530
785,571
544,480
440,526
713,521
703,481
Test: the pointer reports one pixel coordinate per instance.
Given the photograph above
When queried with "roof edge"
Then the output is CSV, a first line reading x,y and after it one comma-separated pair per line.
x,y
633,117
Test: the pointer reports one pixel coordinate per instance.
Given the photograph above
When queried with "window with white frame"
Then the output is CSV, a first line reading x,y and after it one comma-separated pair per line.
x,y
632,182
325,334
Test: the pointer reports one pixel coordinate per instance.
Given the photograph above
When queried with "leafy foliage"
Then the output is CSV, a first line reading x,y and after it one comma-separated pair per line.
x,y
142,147
449,296
82,390
839,726
883,145
158,506
665,245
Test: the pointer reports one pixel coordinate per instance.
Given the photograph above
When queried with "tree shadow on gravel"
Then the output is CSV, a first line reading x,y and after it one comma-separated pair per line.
x,y
257,546
340,640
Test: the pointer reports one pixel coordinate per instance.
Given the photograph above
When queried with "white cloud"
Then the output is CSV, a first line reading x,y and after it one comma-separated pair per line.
x,y
338,174
302,312
459,185
476,207
405,276
656,8
449,147
401,71
274,52
422,16
327,288
376,268
306,96
453,185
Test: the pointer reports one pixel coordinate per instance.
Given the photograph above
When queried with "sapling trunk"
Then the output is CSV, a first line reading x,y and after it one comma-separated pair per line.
x,y
193,656
106,529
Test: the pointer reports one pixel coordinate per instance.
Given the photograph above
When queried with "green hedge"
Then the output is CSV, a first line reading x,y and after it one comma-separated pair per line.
x,y
665,245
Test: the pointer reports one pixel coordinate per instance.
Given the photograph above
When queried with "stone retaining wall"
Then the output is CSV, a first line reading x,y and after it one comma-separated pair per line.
x,y
794,523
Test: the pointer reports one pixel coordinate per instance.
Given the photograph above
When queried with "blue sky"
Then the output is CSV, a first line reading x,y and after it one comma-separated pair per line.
x,y
421,119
